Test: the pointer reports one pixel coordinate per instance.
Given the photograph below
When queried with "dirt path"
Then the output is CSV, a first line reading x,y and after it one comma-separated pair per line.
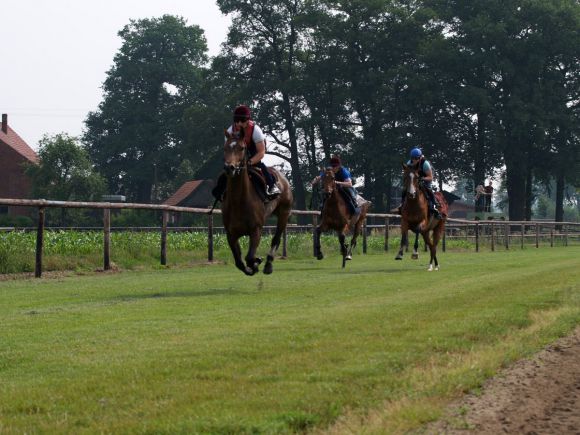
x,y
536,396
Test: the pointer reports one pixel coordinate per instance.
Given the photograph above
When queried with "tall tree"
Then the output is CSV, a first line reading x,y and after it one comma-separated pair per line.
x,y
136,137
262,47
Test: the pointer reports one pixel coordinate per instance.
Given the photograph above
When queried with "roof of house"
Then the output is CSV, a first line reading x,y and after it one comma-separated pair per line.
x,y
15,142
183,192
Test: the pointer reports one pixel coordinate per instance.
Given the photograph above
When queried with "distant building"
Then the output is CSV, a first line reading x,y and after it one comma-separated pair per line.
x,y
195,194
14,154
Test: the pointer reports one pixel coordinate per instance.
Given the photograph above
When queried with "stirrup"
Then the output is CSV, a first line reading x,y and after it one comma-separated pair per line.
x,y
273,191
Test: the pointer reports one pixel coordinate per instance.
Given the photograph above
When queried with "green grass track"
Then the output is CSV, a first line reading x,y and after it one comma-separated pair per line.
x,y
379,347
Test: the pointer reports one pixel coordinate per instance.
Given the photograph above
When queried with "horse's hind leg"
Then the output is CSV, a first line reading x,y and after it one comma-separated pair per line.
x,y
343,248
237,252
437,233
356,232
317,248
433,256
280,228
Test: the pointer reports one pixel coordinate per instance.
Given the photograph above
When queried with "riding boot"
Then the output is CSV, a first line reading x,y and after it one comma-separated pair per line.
x,y
273,190
434,204
220,188
354,206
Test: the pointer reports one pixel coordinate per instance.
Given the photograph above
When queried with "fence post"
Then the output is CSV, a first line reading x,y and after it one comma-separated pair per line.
x,y
477,237
39,243
284,244
523,234
364,229
565,235
537,235
492,229
164,218
314,225
507,236
552,237
386,234
210,237
107,239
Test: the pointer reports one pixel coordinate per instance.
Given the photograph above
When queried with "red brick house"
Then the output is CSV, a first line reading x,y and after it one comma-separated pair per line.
x,y
14,153
195,194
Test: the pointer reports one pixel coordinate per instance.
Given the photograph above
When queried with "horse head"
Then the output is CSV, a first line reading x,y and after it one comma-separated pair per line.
x,y
410,180
234,154
328,182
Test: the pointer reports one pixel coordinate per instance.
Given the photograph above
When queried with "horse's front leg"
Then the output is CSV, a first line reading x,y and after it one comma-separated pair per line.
x,y
237,252
317,248
404,241
415,254
252,261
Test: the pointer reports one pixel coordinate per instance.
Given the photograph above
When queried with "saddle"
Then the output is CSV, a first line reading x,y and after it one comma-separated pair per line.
x,y
259,182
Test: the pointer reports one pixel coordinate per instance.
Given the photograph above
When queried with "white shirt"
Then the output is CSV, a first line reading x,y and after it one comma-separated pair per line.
x,y
257,135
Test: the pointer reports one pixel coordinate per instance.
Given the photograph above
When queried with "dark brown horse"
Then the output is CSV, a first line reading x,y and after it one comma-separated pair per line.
x,y
336,216
244,211
415,216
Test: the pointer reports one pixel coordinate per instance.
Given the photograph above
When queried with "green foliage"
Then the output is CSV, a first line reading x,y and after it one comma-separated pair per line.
x,y
136,137
15,221
64,172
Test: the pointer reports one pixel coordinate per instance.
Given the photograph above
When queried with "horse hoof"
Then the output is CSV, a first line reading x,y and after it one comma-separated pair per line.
x,y
349,257
320,256
268,269
249,271
415,256
399,257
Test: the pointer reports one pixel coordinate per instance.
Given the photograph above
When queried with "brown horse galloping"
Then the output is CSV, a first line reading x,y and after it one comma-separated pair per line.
x,y
415,216
244,212
336,216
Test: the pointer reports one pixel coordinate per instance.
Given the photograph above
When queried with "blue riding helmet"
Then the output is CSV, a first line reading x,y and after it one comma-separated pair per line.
x,y
416,153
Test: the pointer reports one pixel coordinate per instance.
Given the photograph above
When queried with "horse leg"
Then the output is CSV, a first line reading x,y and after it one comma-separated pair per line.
x,y
237,252
355,233
317,248
437,233
343,248
415,254
429,243
251,260
404,241
280,227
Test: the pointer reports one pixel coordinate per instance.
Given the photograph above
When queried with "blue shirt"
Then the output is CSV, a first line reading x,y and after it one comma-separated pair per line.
x,y
426,165
342,174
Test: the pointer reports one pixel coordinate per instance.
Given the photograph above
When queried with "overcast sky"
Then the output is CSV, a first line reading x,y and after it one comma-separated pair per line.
x,y
54,55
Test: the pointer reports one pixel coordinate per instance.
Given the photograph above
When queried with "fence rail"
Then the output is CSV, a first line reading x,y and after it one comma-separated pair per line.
x,y
494,231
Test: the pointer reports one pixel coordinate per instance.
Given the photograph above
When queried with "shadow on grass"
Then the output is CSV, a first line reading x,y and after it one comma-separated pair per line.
x,y
180,294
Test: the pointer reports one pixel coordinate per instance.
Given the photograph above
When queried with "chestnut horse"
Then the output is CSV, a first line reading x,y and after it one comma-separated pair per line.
x,y
415,216
244,212
336,216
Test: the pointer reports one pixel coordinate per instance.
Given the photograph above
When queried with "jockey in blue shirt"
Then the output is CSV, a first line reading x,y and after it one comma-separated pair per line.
x,y
418,160
343,179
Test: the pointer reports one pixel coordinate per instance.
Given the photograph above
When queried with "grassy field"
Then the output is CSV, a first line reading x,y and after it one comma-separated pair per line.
x,y
380,347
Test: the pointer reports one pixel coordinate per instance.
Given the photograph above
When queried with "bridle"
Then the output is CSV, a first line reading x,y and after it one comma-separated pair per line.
x,y
233,170
412,190
328,187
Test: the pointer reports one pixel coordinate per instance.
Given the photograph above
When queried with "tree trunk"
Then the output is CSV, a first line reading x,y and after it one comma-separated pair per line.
x,y
529,192
479,152
560,184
